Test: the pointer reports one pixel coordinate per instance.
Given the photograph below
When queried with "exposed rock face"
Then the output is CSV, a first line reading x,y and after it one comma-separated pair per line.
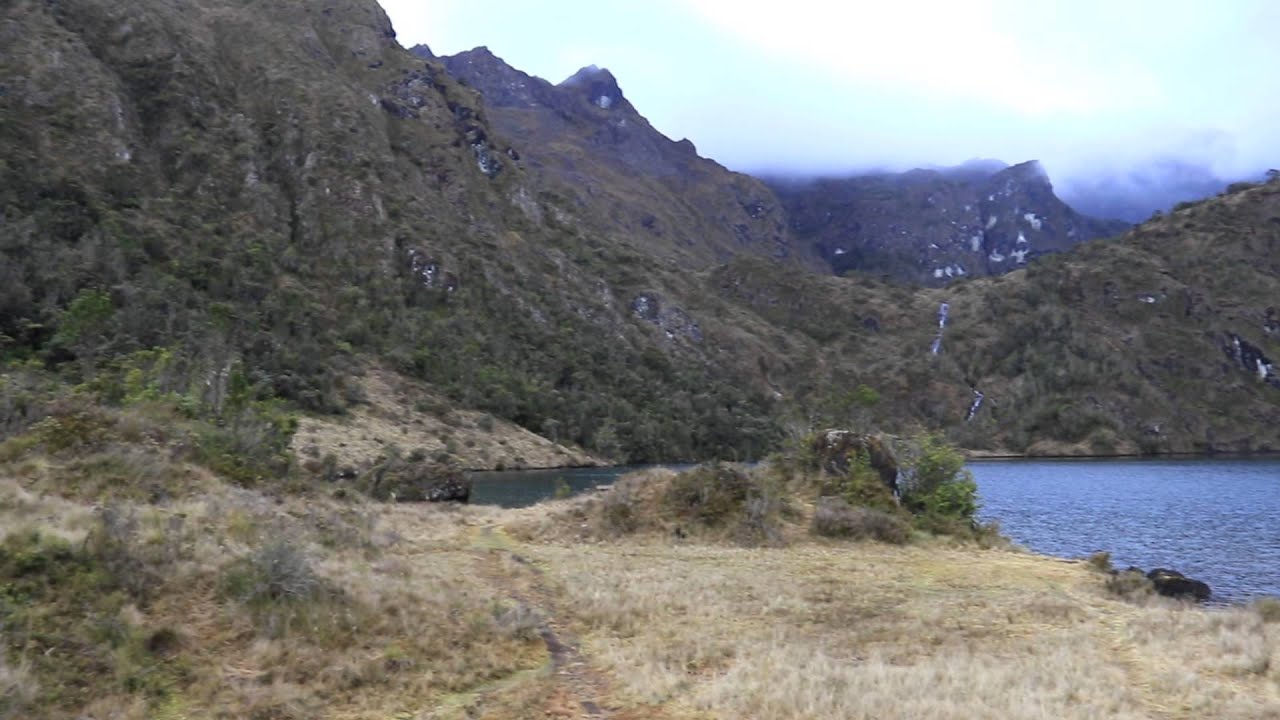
x,y
933,226
1172,583
673,321
1251,359
836,449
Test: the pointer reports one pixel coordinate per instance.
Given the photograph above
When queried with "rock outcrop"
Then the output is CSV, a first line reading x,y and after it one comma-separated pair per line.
x,y
415,481
584,140
835,450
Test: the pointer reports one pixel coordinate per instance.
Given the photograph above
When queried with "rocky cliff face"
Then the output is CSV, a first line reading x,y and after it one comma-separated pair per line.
x,y
935,226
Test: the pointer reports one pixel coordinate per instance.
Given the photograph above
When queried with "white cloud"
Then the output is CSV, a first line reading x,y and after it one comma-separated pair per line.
x,y
990,51
418,21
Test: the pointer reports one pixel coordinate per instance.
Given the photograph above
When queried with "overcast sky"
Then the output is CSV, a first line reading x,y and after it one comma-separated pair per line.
x,y
819,86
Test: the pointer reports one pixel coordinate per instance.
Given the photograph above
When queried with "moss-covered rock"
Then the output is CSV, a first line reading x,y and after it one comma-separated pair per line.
x,y
416,481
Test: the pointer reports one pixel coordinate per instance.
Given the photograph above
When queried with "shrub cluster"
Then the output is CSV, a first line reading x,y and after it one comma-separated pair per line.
x,y
836,518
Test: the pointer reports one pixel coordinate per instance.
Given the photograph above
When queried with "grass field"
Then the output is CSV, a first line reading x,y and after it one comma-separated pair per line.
x,y
417,611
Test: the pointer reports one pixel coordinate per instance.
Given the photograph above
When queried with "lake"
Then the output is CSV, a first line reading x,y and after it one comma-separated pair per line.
x,y
520,488
1215,520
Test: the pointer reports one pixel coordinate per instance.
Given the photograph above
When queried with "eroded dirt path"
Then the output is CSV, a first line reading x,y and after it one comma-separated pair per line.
x,y
580,690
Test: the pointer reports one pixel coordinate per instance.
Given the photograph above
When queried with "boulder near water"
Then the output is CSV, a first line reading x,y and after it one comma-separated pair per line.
x,y
1172,583
408,481
835,449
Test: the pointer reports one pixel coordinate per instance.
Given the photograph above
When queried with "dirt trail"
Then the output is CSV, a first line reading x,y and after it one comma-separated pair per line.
x,y
580,690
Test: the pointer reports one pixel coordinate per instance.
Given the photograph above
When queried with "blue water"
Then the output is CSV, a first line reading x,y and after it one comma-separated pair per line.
x,y
1214,520
520,488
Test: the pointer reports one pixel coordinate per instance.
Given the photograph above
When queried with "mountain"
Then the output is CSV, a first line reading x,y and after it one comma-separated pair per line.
x,y
277,199
1163,340
934,226
589,147
252,212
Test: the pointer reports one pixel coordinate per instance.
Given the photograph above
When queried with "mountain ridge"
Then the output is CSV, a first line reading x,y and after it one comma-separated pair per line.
x,y
932,226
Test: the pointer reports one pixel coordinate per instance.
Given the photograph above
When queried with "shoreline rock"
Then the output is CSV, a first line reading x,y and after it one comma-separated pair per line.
x,y
1171,583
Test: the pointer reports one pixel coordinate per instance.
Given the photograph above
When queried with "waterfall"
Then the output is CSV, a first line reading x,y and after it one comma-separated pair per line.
x,y
943,310
977,404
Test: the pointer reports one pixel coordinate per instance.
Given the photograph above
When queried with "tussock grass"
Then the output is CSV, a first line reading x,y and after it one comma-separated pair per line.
x,y
230,603
883,631
226,602
17,688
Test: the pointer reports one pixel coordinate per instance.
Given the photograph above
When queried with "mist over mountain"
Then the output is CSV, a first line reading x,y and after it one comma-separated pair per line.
x,y
1135,193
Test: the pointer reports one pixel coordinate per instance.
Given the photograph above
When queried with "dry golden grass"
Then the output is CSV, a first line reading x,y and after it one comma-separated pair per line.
x,y
406,620
392,417
439,612
879,631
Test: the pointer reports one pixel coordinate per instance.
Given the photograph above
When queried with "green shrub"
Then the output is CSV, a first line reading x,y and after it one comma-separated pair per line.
x,y
249,447
519,621
54,596
563,490
276,572
1101,560
937,488
710,494
862,486
618,514
17,688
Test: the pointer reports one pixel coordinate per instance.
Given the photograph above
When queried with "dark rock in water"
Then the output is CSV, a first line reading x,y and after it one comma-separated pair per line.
x,y
1172,583
836,449
405,481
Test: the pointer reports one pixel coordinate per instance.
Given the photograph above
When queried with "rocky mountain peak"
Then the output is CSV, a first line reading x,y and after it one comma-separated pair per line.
x,y
597,84
1030,172
501,84
423,51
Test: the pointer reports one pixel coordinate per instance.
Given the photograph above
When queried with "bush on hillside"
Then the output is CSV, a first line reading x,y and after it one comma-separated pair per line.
x,y
936,487
746,502
1268,608
709,494
1131,584
837,519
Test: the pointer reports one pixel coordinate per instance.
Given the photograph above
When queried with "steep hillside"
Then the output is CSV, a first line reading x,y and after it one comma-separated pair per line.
x,y
933,226
591,149
277,194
